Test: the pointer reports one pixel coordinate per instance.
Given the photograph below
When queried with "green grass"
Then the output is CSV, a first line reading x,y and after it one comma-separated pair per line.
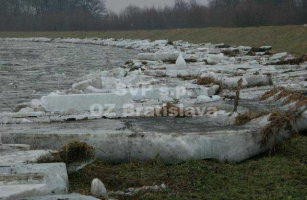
x,y
282,38
282,175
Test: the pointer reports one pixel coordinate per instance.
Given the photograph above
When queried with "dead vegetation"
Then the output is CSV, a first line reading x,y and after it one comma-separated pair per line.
x,y
270,93
187,77
205,81
199,80
243,119
231,52
278,121
294,61
209,81
282,120
73,152
290,96
255,50
191,60
222,46
170,43
282,94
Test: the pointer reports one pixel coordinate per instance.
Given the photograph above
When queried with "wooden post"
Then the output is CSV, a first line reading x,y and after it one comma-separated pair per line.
x,y
237,98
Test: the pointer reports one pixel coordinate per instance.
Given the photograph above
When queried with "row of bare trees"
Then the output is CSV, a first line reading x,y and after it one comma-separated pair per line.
x,y
64,15
49,15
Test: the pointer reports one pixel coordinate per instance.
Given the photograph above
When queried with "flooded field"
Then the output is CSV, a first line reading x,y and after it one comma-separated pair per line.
x,y
29,70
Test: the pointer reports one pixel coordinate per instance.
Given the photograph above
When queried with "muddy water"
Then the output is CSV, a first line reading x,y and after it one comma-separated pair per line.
x,y
29,70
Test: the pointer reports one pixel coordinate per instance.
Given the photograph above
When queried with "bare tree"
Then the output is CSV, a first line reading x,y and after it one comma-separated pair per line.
x,y
46,15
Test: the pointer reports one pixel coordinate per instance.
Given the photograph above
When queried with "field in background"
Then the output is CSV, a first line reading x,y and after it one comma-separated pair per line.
x,y
282,38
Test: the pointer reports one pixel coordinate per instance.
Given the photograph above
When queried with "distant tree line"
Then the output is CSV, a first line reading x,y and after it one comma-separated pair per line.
x,y
67,15
47,15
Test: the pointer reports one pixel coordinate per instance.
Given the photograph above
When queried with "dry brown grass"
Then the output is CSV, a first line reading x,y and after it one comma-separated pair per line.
x,y
206,81
301,103
282,120
243,119
295,97
295,61
187,77
283,93
209,81
231,53
74,151
278,122
290,96
270,93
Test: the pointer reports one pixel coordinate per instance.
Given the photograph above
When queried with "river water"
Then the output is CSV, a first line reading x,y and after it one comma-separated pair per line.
x,y
29,70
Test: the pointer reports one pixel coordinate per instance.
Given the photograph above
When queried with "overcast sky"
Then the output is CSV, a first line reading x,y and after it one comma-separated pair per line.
x,y
118,5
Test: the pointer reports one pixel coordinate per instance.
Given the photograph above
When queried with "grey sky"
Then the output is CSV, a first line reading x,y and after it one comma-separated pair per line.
x,y
118,5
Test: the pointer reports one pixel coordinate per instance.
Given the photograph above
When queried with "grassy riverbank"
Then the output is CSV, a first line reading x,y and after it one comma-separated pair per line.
x,y
282,175
282,38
